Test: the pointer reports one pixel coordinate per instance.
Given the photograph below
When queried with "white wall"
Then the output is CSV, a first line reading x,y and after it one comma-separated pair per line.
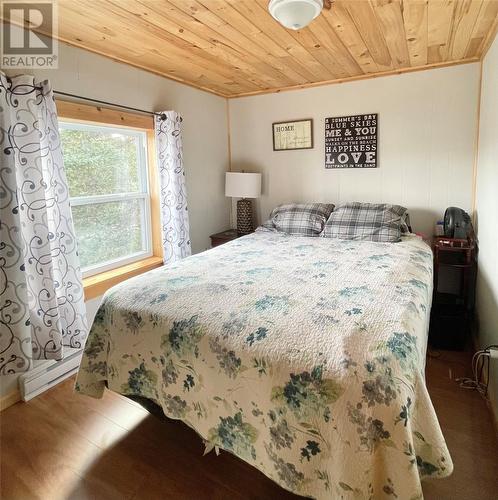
x,y
205,138
427,129
487,213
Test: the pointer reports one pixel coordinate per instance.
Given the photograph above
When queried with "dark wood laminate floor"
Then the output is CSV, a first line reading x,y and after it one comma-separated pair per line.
x,y
61,445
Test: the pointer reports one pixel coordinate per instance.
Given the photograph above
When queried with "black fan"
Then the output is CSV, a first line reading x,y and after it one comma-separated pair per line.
x,y
457,223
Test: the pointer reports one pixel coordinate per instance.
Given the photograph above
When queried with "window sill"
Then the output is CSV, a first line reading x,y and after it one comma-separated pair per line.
x,y
98,284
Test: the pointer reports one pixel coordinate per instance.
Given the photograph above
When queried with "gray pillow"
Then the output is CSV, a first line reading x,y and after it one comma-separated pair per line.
x,y
367,221
304,219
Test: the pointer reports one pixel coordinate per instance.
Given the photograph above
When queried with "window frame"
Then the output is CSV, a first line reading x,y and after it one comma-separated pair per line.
x,y
143,194
97,280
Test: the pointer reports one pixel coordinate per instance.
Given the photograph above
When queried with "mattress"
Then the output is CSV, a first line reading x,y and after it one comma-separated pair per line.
x,y
303,356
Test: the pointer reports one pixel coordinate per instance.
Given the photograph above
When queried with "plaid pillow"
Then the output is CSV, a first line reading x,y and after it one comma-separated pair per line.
x,y
406,226
304,219
366,221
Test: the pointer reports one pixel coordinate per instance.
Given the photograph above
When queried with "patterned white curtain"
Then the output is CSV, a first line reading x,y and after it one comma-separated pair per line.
x,y
42,307
174,213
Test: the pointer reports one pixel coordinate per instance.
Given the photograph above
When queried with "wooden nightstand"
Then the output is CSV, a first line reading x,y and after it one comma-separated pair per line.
x,y
223,237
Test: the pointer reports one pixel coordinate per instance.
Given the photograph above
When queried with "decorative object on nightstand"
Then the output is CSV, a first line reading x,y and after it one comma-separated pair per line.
x,y
452,313
224,237
243,185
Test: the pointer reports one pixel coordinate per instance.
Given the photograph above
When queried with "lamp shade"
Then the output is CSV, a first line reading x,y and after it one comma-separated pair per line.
x,y
242,185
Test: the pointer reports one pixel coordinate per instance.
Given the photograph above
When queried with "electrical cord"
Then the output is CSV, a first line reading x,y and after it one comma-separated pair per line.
x,y
479,360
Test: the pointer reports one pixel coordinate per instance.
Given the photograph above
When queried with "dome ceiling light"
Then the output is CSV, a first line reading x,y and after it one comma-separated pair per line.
x,y
296,14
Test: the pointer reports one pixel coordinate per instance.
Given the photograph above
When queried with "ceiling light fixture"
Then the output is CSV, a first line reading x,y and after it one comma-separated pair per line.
x,y
295,14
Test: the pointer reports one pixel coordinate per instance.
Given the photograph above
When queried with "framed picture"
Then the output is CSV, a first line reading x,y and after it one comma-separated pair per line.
x,y
293,135
351,141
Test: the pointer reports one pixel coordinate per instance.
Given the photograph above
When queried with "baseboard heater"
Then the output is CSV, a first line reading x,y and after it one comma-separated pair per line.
x,y
47,374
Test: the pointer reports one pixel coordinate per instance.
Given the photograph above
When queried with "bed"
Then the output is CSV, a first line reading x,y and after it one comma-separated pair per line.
x,y
303,356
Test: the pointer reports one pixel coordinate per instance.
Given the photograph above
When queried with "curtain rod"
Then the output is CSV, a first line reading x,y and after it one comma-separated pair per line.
x,y
162,116
152,113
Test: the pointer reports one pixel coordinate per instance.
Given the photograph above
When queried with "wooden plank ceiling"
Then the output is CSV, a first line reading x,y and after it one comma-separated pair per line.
x,y
234,47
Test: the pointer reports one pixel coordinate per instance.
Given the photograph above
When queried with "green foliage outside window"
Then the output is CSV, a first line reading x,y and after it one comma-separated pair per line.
x,y
99,163
103,163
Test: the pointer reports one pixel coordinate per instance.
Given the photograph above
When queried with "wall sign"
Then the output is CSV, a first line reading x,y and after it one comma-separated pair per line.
x,y
351,141
293,135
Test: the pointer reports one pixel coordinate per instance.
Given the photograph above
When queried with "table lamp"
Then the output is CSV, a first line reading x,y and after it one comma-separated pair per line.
x,y
243,185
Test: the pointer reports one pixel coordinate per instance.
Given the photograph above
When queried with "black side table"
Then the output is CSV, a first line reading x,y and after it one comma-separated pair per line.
x,y
452,313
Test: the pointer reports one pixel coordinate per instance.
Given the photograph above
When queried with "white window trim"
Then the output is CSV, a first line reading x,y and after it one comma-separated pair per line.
x,y
108,198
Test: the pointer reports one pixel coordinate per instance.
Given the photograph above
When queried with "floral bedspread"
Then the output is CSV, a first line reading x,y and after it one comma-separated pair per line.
x,y
303,356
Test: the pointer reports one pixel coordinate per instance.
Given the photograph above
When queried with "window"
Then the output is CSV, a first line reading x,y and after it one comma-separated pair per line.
x,y
106,168
110,165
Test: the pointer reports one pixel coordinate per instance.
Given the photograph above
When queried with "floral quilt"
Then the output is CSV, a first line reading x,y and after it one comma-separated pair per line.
x,y
302,356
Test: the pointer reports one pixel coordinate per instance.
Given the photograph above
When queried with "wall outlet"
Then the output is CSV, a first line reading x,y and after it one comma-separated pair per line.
x,y
493,352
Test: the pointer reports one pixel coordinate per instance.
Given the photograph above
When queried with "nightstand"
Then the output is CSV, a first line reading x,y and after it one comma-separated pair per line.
x,y
452,313
224,237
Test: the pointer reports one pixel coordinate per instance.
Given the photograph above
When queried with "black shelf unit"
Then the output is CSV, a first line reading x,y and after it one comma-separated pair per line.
x,y
452,313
